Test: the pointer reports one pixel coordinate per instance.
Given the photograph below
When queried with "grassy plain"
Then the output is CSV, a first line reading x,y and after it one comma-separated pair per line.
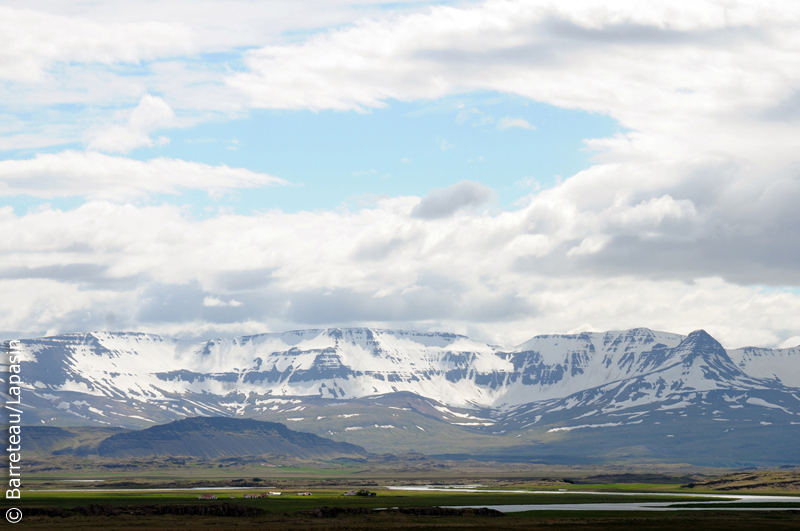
x,y
411,468
290,511
289,500
706,521
46,480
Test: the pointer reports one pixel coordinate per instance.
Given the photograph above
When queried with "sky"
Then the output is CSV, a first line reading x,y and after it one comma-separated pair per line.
x,y
500,169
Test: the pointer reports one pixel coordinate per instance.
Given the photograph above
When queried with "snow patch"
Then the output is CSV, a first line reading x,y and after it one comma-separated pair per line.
x,y
764,403
570,428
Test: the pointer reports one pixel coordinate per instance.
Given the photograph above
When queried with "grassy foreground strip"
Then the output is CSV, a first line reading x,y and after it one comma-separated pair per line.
x,y
289,501
706,521
135,510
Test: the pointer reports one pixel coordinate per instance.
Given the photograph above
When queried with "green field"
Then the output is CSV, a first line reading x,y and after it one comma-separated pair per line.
x,y
290,511
87,507
289,500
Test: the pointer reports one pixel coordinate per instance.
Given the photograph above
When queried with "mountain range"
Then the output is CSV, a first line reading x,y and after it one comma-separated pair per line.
x,y
592,396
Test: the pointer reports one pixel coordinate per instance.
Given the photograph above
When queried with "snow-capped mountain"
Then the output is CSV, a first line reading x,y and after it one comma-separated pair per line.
x,y
550,384
697,370
781,364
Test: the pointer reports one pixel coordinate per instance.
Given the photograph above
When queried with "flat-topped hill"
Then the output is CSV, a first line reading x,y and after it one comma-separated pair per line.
x,y
212,437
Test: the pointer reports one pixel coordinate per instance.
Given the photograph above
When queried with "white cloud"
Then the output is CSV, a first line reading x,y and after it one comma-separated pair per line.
x,y
644,65
507,123
216,24
688,207
40,33
94,175
61,56
699,182
589,245
35,40
791,342
531,245
158,269
151,114
214,301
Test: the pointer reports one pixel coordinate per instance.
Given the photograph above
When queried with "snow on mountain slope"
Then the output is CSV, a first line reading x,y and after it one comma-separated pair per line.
x,y
130,377
551,366
782,364
330,363
699,376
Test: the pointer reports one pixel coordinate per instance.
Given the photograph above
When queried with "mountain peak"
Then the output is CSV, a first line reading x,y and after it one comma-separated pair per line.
x,y
702,343
700,333
700,348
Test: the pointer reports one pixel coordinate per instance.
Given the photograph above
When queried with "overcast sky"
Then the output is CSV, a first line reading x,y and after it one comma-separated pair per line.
x,y
501,169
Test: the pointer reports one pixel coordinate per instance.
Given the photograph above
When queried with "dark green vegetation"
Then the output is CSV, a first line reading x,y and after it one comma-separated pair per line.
x,y
705,521
85,508
405,469
328,509
290,502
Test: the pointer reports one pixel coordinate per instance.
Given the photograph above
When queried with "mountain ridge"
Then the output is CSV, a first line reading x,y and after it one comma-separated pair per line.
x,y
350,384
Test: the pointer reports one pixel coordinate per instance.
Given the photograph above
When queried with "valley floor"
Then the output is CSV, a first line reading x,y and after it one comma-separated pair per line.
x,y
76,507
71,493
707,521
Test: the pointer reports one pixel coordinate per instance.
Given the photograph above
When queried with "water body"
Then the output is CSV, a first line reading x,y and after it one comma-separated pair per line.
x,y
731,499
659,506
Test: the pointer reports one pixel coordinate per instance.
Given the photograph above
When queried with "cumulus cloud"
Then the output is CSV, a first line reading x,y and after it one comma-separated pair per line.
x,y
151,114
702,177
684,214
444,202
160,270
68,65
646,66
34,40
94,175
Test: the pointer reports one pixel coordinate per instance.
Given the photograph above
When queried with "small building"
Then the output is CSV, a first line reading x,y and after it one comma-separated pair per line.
x,y
207,497
304,493
274,493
